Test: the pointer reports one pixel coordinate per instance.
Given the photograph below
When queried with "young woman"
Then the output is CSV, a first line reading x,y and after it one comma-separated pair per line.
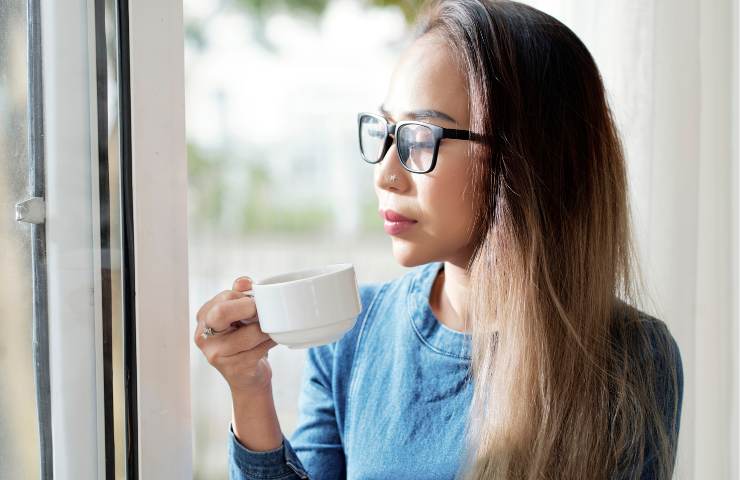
x,y
513,349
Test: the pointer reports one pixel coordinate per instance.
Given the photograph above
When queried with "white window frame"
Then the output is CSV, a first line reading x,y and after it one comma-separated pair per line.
x,y
74,325
159,193
160,186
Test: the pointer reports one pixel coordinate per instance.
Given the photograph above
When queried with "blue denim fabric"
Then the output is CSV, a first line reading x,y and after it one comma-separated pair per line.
x,y
388,400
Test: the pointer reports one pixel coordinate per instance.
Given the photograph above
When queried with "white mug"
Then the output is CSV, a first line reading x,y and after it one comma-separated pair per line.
x,y
307,308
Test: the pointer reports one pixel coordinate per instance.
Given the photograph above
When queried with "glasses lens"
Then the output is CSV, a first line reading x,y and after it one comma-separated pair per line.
x,y
372,137
416,147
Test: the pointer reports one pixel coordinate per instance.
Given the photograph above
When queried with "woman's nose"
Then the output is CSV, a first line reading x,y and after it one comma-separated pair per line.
x,y
389,173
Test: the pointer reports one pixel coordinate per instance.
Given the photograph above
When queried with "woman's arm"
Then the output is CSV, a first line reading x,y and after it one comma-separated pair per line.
x,y
257,448
254,414
316,438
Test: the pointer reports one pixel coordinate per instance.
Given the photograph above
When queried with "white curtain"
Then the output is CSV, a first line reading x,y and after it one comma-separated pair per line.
x,y
670,70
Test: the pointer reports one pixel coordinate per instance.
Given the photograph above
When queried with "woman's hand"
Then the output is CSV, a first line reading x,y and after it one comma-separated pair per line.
x,y
239,351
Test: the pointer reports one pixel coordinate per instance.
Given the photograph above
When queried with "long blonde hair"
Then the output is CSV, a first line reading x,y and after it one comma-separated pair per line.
x,y
566,378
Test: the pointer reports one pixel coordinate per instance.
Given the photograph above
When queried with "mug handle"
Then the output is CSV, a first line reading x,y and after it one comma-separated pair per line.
x,y
248,293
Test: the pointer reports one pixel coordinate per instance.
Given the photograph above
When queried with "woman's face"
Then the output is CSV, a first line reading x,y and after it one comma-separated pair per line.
x,y
426,78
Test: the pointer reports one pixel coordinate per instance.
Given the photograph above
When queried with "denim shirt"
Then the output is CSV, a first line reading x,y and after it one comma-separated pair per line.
x,y
388,400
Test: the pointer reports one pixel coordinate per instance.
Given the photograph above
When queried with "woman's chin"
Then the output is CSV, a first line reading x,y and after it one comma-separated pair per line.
x,y
407,254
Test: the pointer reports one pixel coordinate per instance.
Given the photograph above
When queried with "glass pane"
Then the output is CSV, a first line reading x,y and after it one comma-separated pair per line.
x,y
416,147
372,137
276,179
19,436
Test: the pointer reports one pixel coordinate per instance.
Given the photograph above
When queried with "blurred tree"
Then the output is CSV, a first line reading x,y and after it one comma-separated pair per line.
x,y
410,8
206,185
194,34
262,213
259,210
262,8
310,10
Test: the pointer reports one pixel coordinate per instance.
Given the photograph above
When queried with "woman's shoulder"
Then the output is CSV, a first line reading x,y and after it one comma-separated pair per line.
x,y
654,353
647,338
654,369
646,335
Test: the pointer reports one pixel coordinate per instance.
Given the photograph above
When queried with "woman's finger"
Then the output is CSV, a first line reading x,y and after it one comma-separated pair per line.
x,y
232,342
255,353
245,338
226,337
222,314
220,297
242,284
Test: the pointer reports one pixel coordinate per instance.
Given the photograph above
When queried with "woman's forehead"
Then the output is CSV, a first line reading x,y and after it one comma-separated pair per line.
x,y
426,77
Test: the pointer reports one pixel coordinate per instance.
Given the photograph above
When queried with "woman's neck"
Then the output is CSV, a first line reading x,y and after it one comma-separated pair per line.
x,y
448,295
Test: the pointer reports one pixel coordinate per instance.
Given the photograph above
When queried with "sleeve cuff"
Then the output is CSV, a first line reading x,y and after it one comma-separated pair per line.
x,y
269,464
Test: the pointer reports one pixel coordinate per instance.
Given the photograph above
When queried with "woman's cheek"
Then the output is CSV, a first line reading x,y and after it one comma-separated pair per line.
x,y
450,219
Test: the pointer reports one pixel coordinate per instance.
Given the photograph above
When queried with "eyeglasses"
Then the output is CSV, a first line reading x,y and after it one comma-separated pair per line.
x,y
417,142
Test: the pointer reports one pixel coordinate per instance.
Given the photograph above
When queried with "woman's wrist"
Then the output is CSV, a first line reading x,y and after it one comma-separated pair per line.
x,y
238,393
254,420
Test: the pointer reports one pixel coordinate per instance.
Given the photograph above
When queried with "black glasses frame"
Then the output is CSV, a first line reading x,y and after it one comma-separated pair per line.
x,y
391,130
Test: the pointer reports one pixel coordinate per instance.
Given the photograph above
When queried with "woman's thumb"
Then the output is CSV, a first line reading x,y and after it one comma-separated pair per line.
x,y
242,283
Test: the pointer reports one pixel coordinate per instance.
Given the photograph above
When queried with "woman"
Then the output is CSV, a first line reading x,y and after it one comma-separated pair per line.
x,y
512,349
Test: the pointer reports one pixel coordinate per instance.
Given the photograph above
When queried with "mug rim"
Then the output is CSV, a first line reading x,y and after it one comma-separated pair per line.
x,y
330,269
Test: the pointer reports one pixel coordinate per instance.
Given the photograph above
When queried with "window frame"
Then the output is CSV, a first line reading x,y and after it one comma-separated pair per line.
x,y
153,213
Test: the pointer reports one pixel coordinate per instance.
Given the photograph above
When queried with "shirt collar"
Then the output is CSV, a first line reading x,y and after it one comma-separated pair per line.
x,y
430,331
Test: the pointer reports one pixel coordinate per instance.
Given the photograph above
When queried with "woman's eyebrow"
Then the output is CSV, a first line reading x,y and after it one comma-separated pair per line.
x,y
419,114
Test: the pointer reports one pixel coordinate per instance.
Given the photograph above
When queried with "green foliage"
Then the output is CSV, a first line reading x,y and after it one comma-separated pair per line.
x,y
370,220
194,35
263,8
310,10
257,211
410,8
294,219
206,188
315,8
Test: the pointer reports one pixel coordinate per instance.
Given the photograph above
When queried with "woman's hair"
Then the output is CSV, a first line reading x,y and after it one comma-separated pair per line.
x,y
564,366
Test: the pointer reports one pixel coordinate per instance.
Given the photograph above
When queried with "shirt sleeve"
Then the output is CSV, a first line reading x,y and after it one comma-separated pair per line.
x,y
316,438
246,464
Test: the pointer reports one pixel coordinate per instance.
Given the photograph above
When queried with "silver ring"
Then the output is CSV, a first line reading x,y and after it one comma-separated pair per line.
x,y
210,332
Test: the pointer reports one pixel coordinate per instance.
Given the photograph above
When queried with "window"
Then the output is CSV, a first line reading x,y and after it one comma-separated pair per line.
x,y
20,448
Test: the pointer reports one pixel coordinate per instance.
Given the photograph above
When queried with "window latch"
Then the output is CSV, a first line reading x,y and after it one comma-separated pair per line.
x,y
31,211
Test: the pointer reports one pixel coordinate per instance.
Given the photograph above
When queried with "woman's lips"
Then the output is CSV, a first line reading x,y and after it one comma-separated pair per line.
x,y
395,223
396,228
393,216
